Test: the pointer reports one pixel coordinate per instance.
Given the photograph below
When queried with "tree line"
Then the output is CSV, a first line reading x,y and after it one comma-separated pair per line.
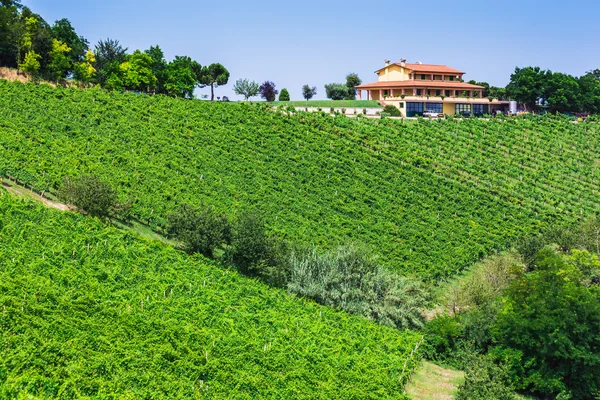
x,y
56,52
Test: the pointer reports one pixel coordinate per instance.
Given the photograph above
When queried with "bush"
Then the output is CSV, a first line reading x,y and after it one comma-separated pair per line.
x,y
392,110
349,278
336,91
252,250
284,95
486,380
90,194
200,230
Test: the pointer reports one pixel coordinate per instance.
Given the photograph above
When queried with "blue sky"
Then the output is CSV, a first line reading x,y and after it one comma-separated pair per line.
x,y
293,43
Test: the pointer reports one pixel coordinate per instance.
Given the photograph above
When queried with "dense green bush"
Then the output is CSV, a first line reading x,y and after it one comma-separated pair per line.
x,y
486,379
351,279
393,111
200,230
90,194
284,95
549,327
252,250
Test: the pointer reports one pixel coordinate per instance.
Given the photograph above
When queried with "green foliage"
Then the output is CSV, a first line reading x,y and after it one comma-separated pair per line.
x,y
181,77
64,31
486,380
352,80
550,322
214,75
336,91
109,56
393,111
246,88
200,230
352,280
85,71
31,63
252,249
284,95
137,72
60,64
89,194
433,197
308,92
89,311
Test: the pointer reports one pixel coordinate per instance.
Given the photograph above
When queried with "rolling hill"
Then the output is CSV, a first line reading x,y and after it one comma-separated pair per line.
x,y
431,197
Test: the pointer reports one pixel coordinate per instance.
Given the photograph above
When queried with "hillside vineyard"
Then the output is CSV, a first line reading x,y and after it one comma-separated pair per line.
x,y
431,197
91,311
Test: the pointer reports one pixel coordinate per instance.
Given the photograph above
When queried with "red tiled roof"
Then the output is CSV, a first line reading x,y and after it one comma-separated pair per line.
x,y
443,69
419,85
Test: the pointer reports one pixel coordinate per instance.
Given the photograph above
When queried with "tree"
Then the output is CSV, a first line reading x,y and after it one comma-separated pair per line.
x,y
85,71
246,88
60,62
9,33
201,230
181,77
527,86
63,31
109,56
549,328
497,93
561,92
267,91
589,85
137,72
486,87
214,75
89,194
352,80
336,91
159,66
31,63
252,250
308,92
284,95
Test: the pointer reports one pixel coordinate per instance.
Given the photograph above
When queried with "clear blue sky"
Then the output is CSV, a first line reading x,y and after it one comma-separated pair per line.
x,y
312,42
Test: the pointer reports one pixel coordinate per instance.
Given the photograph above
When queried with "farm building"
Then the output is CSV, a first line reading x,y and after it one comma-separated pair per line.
x,y
417,88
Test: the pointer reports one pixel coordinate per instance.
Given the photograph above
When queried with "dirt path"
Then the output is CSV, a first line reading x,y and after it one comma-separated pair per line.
x,y
20,191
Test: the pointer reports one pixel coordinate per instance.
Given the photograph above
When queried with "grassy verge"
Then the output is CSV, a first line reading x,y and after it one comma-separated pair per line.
x,y
432,382
333,103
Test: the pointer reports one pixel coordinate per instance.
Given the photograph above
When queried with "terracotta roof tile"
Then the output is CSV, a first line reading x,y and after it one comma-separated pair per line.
x,y
432,68
420,85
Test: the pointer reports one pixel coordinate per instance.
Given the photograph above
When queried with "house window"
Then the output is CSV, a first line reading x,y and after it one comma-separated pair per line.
x,y
481,109
435,107
401,105
418,92
451,78
386,92
414,109
463,109
447,93
422,77
438,92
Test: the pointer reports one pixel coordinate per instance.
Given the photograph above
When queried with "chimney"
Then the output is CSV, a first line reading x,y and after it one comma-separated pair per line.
x,y
403,62
387,63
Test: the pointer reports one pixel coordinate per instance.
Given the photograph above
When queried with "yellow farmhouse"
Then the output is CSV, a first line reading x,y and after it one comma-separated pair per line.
x,y
416,88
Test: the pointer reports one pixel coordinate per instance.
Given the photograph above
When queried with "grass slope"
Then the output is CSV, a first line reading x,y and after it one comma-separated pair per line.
x,y
90,311
431,197
432,382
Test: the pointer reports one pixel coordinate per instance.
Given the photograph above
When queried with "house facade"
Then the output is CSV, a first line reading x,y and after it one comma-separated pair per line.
x,y
416,88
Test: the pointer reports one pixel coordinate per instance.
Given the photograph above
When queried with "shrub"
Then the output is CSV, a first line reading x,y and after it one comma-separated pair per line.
x,y
486,380
252,250
344,111
336,91
384,115
284,95
90,194
331,110
392,110
200,230
350,278
364,111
